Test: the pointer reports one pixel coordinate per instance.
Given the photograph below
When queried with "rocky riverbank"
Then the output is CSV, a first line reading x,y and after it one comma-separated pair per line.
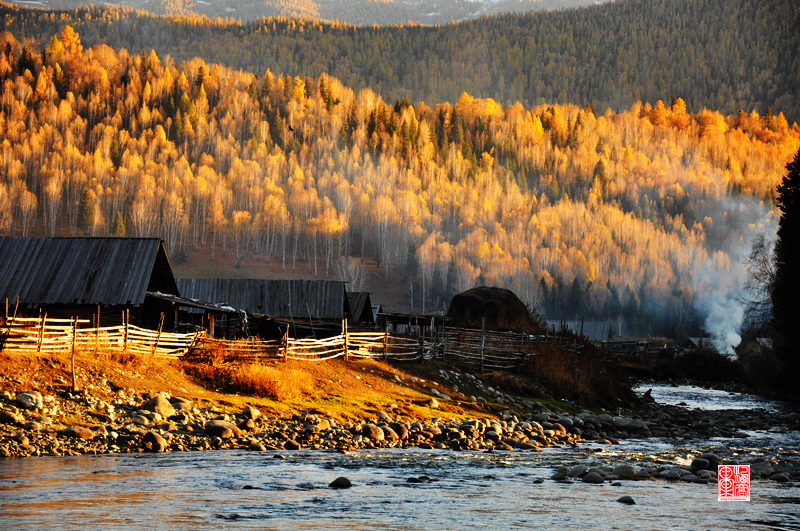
x,y
69,423
160,422
371,406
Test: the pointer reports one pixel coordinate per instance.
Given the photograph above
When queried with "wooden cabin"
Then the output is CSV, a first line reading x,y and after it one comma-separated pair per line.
x,y
88,278
308,308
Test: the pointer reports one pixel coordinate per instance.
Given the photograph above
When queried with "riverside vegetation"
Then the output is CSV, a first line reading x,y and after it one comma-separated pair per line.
x,y
136,405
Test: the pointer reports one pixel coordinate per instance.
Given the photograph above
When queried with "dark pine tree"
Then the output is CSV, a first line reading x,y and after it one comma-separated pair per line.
x,y
574,299
785,290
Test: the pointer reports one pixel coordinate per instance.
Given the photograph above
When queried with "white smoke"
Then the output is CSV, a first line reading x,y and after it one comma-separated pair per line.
x,y
718,281
717,291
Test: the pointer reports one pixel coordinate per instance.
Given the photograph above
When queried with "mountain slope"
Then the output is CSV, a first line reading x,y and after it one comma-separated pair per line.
x,y
366,12
724,55
641,216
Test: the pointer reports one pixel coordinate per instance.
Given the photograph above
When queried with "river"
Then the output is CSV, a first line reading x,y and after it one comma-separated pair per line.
x,y
240,489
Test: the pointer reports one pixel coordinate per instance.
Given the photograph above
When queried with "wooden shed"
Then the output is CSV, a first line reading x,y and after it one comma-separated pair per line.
x,y
308,307
87,277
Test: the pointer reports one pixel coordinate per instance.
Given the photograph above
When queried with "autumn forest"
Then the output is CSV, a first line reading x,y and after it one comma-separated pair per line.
x,y
640,216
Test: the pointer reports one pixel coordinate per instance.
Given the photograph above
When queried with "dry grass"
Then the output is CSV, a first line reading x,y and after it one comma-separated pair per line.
x,y
262,380
347,390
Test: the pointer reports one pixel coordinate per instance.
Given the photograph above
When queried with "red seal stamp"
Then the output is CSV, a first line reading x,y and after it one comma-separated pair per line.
x,y
733,482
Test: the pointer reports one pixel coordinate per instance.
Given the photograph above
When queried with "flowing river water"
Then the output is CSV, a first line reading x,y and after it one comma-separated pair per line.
x,y
240,489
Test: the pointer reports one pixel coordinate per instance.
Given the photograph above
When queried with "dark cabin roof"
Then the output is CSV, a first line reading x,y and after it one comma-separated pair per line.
x,y
323,299
360,306
71,271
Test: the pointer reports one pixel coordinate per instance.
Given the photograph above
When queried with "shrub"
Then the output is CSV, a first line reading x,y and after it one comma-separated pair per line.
x,y
590,379
284,383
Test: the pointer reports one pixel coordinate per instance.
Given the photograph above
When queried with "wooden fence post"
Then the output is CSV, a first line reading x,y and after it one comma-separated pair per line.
x,y
13,319
434,336
286,344
421,334
158,335
444,342
74,333
41,333
344,336
483,340
124,333
386,342
97,332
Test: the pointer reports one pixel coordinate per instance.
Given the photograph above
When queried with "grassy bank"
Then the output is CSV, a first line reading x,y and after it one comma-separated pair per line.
x,y
344,390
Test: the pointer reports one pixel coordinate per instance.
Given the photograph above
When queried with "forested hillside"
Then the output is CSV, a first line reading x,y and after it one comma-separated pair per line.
x,y
638,216
720,54
365,12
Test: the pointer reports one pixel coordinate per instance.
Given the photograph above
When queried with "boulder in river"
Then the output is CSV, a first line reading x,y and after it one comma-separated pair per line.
x,y
713,460
340,483
592,477
577,471
625,472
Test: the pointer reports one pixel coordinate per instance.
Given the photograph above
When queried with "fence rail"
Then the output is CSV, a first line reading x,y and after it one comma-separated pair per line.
x,y
479,350
348,345
485,350
43,334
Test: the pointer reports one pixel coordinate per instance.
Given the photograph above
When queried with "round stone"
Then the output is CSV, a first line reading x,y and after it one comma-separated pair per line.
x,y
625,472
340,483
593,477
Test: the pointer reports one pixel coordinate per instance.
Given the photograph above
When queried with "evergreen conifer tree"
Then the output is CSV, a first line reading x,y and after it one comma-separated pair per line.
x,y
785,290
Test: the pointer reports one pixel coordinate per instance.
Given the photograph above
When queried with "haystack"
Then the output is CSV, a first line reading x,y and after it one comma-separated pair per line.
x,y
501,307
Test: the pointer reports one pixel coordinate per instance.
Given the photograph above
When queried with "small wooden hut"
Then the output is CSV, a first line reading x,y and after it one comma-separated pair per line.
x,y
308,308
98,279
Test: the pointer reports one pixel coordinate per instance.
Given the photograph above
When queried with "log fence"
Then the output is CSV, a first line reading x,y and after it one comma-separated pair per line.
x,y
479,350
348,345
47,335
